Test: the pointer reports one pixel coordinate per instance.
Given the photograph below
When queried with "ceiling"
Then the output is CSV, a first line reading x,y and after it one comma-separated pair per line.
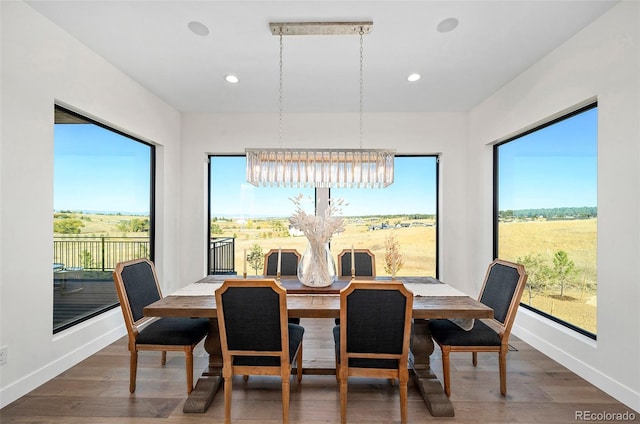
x,y
151,42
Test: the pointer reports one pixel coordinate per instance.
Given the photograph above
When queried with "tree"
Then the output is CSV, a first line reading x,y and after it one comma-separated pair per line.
x,y
256,257
216,229
563,270
538,274
67,226
393,259
139,225
86,259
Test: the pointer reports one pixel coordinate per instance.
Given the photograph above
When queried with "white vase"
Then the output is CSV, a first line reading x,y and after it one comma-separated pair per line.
x,y
317,267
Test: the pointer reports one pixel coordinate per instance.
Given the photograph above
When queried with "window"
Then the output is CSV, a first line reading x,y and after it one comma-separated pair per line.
x,y
405,210
253,220
546,215
103,191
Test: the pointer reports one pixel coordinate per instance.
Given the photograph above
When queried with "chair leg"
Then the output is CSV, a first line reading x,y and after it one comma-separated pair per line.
x,y
343,399
228,387
299,364
474,358
446,374
285,399
189,368
503,371
403,401
163,361
133,370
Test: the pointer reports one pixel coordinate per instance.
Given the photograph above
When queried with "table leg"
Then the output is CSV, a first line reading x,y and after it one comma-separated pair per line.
x,y
207,385
428,384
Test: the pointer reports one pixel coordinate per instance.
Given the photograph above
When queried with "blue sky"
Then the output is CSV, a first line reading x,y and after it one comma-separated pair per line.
x,y
552,167
413,191
99,170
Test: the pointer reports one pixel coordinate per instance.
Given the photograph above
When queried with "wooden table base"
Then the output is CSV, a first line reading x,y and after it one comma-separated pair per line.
x,y
428,384
207,386
203,394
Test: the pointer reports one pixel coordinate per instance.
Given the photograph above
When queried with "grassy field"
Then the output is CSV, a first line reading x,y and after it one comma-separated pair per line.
x,y
576,237
417,245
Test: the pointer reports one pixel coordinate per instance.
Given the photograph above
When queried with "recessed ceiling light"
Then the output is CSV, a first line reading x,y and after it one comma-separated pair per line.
x,y
231,79
198,28
413,77
448,25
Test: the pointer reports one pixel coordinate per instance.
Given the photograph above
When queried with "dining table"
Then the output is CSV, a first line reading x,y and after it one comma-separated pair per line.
x,y
433,299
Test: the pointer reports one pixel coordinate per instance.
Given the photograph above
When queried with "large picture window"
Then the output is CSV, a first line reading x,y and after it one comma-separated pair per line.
x,y
103,196
546,215
254,220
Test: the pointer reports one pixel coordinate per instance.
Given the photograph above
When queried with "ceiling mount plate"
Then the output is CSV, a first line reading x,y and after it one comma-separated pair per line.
x,y
320,28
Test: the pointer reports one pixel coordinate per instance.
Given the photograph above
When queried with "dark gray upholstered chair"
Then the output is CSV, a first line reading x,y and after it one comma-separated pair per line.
x,y
289,265
365,265
255,336
137,286
365,262
374,335
501,290
290,258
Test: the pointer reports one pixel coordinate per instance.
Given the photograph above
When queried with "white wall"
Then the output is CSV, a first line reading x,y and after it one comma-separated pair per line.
x,y
42,65
601,61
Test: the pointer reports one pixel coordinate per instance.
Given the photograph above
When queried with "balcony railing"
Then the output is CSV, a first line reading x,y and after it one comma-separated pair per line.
x,y
98,253
104,253
222,255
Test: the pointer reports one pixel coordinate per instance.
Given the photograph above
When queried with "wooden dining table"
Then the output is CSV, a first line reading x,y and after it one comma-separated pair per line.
x,y
198,300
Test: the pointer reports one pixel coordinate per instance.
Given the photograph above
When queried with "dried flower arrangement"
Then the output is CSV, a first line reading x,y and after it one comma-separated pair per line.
x,y
318,229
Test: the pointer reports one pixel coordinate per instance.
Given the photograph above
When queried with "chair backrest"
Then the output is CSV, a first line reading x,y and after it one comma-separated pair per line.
x,y
252,317
502,289
377,320
137,286
289,262
365,263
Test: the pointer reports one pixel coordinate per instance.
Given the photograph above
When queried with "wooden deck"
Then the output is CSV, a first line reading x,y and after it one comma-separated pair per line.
x,y
97,391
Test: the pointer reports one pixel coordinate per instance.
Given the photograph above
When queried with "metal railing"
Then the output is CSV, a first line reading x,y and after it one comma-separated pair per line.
x,y
98,253
104,253
222,255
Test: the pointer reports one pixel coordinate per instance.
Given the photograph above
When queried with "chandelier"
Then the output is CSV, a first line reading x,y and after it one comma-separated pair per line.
x,y
297,167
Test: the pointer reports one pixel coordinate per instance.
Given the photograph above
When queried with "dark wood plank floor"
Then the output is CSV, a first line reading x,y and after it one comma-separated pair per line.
x,y
97,391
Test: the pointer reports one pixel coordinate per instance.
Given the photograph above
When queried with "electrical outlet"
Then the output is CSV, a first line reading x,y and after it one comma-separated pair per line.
x,y
4,352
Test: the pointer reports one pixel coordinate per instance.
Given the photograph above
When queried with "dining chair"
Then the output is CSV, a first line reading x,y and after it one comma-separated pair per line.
x,y
256,337
373,337
501,290
365,263
290,258
137,286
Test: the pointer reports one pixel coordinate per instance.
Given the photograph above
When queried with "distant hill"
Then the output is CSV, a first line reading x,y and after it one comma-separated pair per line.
x,y
581,212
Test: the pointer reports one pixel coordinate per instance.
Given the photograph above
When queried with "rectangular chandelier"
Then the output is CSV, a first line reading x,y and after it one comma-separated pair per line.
x,y
344,168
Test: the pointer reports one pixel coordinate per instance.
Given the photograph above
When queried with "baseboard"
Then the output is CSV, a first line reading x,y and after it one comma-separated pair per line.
x,y
620,392
31,381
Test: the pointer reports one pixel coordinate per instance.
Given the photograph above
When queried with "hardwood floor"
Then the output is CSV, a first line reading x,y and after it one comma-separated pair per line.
x,y
97,391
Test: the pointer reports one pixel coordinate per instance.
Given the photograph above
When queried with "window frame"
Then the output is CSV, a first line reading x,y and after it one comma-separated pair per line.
x,y
152,197
593,104
317,193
